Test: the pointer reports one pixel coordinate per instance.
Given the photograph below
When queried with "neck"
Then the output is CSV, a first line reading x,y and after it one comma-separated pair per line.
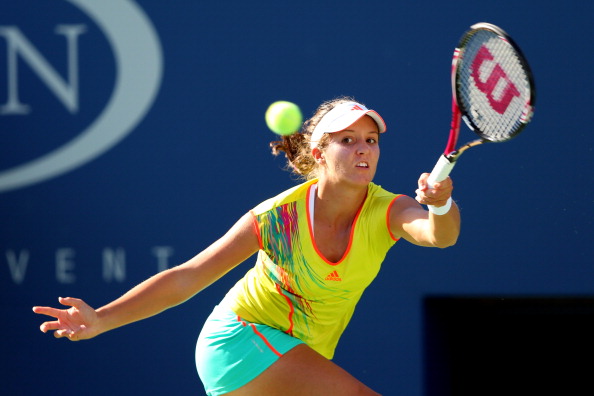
x,y
338,203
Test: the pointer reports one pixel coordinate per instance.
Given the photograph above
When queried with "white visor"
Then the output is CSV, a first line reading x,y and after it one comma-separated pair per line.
x,y
341,117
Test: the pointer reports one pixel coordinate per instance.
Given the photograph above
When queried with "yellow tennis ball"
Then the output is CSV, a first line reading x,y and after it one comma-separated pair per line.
x,y
283,118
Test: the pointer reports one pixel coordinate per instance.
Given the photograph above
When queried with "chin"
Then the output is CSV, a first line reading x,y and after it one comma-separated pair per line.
x,y
361,181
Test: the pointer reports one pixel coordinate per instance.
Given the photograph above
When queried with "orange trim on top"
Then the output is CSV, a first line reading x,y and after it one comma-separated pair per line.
x,y
308,215
311,234
291,311
257,230
388,217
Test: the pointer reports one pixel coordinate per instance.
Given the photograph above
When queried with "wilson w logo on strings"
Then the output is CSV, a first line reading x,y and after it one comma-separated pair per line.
x,y
497,82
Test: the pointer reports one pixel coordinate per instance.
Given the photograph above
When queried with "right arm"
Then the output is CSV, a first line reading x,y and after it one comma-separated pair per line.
x,y
158,293
421,227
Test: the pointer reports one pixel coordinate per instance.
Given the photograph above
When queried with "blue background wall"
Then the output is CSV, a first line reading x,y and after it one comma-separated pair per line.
x,y
199,158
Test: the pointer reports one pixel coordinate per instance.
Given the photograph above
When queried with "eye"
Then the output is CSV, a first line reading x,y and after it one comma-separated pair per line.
x,y
347,140
372,140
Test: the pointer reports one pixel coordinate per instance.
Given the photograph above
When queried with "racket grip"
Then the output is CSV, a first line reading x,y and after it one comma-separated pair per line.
x,y
440,171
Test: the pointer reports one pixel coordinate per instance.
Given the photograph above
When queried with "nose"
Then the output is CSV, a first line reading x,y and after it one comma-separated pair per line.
x,y
362,147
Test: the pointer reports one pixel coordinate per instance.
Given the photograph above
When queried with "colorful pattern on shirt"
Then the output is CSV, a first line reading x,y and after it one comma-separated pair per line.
x,y
293,287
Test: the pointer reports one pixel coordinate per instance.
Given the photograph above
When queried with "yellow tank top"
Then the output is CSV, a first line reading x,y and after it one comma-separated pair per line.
x,y
293,287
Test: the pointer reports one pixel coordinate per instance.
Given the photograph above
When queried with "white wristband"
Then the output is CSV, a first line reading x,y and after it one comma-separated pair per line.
x,y
442,209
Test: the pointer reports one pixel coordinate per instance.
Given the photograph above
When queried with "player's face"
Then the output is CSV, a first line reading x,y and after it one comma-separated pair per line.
x,y
352,155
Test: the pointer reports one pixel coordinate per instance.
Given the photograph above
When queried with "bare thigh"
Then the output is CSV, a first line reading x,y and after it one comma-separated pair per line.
x,y
301,372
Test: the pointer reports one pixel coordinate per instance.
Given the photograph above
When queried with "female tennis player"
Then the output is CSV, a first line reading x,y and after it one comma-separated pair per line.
x,y
319,245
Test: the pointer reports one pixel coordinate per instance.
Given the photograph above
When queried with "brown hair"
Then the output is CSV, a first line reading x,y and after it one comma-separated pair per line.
x,y
297,147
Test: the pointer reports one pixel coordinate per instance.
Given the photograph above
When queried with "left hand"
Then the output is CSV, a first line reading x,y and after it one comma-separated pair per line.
x,y
79,322
436,196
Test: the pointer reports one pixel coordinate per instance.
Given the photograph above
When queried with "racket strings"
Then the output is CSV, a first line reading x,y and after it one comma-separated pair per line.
x,y
493,88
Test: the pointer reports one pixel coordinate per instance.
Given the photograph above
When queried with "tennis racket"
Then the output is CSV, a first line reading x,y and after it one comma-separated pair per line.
x,y
492,91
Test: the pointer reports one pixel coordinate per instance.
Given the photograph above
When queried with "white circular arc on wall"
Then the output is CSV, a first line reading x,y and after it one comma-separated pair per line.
x,y
139,69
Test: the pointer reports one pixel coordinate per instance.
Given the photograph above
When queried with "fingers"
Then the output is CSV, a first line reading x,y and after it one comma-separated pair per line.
x,y
64,333
61,331
47,326
55,325
70,334
49,311
61,316
423,181
55,312
71,302
437,195
73,323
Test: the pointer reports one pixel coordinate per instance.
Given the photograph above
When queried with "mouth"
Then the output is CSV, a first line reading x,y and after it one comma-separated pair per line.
x,y
362,164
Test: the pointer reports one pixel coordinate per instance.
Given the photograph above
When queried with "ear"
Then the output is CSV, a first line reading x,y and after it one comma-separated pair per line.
x,y
318,155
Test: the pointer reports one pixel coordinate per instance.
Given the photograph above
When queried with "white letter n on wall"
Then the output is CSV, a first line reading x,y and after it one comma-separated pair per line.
x,y
17,45
114,265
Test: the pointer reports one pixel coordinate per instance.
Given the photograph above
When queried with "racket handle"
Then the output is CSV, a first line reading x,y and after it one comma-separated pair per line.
x,y
440,171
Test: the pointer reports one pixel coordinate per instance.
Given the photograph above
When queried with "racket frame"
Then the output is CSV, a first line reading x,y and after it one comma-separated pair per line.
x,y
529,107
446,162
